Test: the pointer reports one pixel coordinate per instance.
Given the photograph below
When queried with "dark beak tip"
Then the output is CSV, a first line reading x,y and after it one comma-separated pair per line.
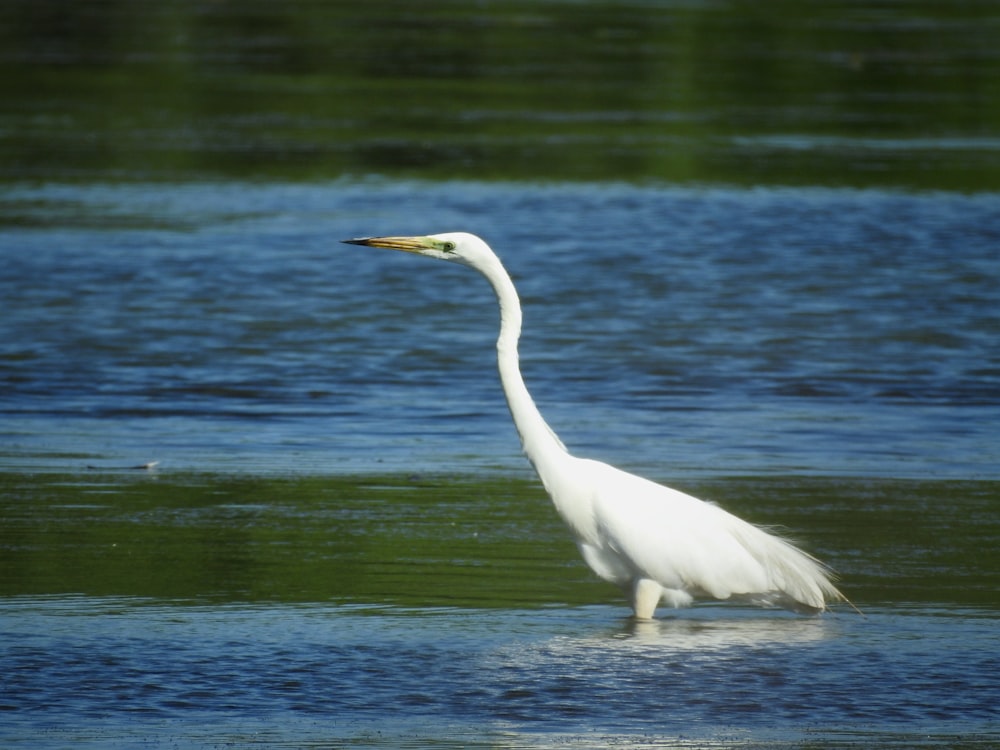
x,y
357,241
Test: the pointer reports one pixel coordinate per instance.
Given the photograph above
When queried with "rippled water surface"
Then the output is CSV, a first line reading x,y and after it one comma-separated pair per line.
x,y
833,93
241,610
320,676
670,330
738,343
260,489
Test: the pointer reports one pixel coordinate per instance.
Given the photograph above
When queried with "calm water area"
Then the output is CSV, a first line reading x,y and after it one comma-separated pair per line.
x,y
260,489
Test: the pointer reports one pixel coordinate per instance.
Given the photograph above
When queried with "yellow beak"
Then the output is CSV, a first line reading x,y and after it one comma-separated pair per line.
x,y
406,244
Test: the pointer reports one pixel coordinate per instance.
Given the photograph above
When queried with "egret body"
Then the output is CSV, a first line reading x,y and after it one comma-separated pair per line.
x,y
656,543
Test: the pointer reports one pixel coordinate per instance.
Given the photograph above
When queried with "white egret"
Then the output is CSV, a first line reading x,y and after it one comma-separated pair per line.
x,y
656,543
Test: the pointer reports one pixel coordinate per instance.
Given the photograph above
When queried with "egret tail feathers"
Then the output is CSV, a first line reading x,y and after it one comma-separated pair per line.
x,y
795,579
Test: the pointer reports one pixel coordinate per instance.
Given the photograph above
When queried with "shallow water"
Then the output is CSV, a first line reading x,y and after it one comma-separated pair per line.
x,y
817,359
757,252
320,675
391,611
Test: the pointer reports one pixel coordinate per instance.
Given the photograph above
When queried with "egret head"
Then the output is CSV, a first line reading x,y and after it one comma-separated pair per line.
x,y
458,247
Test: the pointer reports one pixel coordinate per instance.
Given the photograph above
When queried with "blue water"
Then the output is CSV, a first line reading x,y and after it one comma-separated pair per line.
x,y
157,674
687,333
668,330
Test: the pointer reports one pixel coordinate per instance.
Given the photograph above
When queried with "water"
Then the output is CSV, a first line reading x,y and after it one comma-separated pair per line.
x,y
321,676
669,330
758,258
242,611
728,92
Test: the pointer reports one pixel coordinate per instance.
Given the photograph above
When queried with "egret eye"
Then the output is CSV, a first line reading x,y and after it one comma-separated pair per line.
x,y
448,247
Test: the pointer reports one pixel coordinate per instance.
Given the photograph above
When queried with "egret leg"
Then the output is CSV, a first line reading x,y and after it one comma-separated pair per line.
x,y
646,595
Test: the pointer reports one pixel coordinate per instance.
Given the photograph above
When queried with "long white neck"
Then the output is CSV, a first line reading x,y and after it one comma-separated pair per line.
x,y
540,443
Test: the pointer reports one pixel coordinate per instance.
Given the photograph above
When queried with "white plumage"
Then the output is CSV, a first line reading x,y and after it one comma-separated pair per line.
x,y
656,543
